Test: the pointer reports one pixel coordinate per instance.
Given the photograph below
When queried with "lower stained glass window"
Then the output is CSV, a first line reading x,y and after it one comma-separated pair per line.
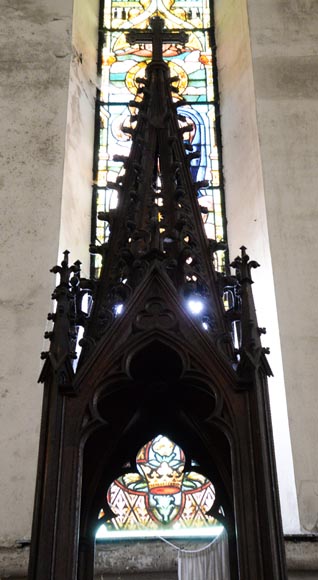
x,y
160,498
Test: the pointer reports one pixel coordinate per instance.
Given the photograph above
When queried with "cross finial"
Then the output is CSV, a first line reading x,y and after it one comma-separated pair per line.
x,y
157,36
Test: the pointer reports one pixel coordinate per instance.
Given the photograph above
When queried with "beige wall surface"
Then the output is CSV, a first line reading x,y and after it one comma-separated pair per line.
x,y
247,214
77,180
34,75
284,42
48,85
267,53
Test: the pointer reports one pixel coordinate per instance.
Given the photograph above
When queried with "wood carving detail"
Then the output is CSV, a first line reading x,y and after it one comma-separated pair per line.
x,y
156,316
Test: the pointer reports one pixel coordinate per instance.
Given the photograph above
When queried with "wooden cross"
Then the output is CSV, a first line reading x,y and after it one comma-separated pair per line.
x,y
157,36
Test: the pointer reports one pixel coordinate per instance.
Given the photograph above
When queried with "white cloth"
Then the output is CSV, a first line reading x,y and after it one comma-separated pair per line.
x,y
211,563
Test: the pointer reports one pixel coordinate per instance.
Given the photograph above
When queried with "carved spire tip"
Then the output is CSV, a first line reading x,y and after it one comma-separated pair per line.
x,y
65,259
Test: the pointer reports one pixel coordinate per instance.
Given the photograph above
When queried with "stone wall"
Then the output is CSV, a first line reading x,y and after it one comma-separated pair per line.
x,y
48,85
156,561
267,56
34,76
284,40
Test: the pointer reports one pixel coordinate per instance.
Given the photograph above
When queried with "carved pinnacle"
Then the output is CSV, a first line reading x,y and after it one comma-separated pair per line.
x,y
243,266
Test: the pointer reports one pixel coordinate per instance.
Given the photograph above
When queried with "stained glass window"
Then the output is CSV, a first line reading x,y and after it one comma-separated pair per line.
x,y
121,64
160,498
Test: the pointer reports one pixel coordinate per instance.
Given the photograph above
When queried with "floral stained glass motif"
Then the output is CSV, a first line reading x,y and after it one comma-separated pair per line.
x,y
122,64
160,495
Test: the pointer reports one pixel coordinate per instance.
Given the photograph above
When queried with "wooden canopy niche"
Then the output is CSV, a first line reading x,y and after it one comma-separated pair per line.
x,y
153,366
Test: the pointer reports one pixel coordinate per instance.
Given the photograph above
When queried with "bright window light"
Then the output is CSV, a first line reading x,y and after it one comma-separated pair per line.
x,y
205,325
78,348
195,305
118,308
212,531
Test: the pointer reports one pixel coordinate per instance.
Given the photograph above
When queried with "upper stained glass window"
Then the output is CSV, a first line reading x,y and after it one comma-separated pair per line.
x,y
194,65
160,498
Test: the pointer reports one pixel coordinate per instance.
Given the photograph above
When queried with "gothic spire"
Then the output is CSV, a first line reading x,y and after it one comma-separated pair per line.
x,y
158,218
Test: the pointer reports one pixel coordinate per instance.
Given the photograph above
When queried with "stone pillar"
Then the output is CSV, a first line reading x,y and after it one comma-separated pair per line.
x,y
269,121
284,55
36,136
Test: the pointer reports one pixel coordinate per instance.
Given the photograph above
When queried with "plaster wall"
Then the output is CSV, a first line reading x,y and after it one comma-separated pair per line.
x,y
284,41
77,180
34,71
48,80
247,217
